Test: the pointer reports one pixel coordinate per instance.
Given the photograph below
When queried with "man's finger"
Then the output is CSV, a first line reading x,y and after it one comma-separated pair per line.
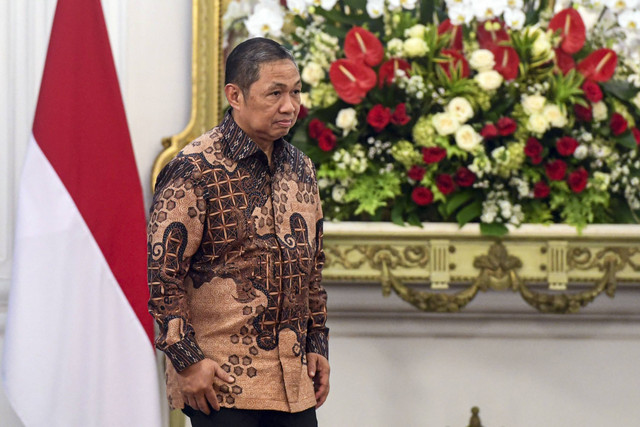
x,y
202,404
212,399
220,373
312,364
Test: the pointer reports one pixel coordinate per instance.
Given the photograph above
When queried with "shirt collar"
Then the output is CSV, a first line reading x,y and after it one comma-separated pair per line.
x,y
240,145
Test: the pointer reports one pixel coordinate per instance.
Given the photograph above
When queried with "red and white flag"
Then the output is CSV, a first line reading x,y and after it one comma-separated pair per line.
x,y
78,348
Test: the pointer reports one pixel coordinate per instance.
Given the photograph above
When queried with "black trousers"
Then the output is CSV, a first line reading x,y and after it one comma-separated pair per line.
x,y
227,417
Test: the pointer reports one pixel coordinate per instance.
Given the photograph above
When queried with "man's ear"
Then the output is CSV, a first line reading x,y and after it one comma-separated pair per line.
x,y
234,95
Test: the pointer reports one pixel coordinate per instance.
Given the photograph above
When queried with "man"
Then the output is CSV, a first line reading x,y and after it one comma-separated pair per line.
x,y
235,258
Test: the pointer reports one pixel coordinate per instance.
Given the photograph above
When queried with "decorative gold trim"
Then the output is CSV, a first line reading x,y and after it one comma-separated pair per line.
x,y
575,269
207,79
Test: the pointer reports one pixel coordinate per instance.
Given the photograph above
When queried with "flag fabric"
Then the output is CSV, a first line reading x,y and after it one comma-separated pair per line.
x,y
78,349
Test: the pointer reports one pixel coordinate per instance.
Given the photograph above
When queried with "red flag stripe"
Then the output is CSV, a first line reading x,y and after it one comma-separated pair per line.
x,y
81,127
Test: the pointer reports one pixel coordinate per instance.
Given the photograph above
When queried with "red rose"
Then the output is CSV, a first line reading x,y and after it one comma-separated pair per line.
x,y
541,190
566,145
636,134
533,150
315,128
327,140
578,180
506,126
584,114
304,112
444,182
416,173
433,154
556,170
379,117
464,177
489,131
422,196
592,91
618,124
399,116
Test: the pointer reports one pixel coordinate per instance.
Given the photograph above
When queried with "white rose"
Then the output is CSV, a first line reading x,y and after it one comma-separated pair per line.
x,y
489,80
581,152
305,99
482,60
599,111
395,47
460,108
538,123
312,73
636,101
338,193
346,120
415,47
542,45
445,123
467,138
555,116
417,31
533,103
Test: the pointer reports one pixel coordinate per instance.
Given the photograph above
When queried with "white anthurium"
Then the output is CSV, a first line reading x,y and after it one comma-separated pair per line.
x,y
515,4
375,8
325,4
461,15
267,19
489,10
298,7
630,19
514,18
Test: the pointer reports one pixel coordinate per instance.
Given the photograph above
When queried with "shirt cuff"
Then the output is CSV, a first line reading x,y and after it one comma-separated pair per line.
x,y
184,353
318,342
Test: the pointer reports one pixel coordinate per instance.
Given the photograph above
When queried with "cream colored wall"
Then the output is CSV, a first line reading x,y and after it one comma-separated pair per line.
x,y
391,366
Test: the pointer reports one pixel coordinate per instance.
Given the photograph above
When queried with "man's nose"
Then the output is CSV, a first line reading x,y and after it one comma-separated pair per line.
x,y
288,104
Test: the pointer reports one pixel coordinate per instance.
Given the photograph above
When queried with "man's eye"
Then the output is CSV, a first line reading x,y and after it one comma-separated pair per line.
x,y
296,91
276,93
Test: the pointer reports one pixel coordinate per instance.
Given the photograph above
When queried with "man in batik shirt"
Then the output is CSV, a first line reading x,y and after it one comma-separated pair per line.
x,y
235,258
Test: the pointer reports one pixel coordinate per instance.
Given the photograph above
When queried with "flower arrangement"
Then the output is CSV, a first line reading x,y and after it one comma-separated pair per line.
x,y
496,112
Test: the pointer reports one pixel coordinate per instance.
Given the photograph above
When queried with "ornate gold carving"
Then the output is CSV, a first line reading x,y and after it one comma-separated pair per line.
x,y
497,270
206,73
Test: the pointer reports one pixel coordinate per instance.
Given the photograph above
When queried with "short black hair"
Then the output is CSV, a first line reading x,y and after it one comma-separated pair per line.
x,y
243,63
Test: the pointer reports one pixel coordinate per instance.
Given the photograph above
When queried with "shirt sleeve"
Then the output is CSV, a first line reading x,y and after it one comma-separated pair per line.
x,y
174,234
317,332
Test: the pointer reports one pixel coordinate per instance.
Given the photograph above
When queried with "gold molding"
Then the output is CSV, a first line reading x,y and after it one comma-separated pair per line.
x,y
207,78
554,269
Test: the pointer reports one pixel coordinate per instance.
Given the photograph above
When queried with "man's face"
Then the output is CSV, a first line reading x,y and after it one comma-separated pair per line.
x,y
271,104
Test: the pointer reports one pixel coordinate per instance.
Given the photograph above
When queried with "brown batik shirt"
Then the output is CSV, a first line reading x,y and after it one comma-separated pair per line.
x,y
234,264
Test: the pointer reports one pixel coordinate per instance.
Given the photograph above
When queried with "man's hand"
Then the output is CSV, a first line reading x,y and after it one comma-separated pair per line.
x,y
196,384
318,369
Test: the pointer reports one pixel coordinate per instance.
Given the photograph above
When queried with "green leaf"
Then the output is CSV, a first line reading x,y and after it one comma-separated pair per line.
x,y
469,212
457,200
626,140
620,89
493,229
414,220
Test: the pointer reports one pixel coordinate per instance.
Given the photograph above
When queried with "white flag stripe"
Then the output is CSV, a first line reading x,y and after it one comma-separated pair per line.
x,y
90,338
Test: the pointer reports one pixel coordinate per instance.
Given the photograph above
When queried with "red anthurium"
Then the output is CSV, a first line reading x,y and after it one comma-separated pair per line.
x,y
387,71
636,135
352,80
455,60
491,33
362,45
507,61
454,30
564,61
599,66
572,29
